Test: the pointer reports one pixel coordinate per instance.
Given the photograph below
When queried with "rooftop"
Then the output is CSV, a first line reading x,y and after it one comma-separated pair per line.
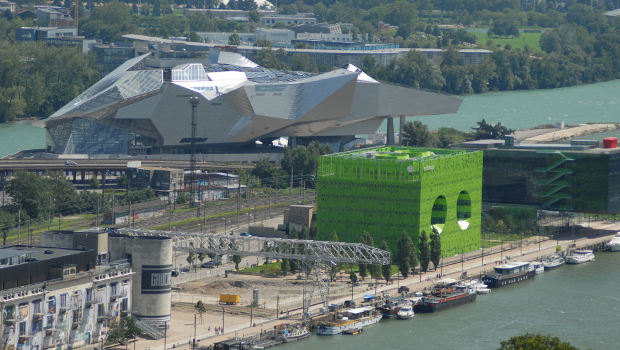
x,y
31,254
396,153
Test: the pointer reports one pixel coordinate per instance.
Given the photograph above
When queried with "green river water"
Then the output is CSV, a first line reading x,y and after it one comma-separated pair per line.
x,y
578,303
522,109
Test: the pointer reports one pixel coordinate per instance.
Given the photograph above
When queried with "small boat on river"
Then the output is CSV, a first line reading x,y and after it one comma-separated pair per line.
x,y
444,295
350,319
580,256
509,273
405,312
614,244
552,261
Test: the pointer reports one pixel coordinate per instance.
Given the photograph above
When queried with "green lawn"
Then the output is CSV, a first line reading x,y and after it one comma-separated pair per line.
x,y
529,39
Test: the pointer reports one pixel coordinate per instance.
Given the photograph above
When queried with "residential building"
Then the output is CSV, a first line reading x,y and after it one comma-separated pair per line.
x,y
7,6
57,298
300,18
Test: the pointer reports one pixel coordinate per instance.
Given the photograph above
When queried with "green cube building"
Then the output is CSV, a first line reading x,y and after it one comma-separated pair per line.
x,y
388,190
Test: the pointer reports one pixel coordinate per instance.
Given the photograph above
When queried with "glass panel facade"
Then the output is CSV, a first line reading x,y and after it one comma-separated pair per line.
x,y
91,137
189,72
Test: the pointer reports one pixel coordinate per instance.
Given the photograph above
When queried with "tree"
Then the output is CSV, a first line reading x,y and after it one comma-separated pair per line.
x,y
284,266
234,39
424,252
405,254
386,270
191,257
416,134
353,277
366,239
200,308
123,330
94,183
535,342
490,131
201,256
435,248
7,222
236,259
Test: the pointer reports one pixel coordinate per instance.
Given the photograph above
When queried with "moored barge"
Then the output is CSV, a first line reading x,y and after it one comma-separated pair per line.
x,y
509,273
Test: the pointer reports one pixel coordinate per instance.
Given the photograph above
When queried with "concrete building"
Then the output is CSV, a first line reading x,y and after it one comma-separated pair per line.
x,y
299,217
54,16
7,6
230,15
300,18
564,177
151,261
66,303
43,33
108,57
80,42
277,36
146,104
389,190
223,37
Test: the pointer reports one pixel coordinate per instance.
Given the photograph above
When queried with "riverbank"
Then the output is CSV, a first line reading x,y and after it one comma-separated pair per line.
x,y
181,331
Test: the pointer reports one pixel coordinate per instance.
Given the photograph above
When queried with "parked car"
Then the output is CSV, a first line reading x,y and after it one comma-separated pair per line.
x,y
349,303
245,234
403,289
208,264
174,273
70,162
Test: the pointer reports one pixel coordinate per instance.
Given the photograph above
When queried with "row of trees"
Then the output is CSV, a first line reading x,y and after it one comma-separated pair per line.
x,y
417,134
408,255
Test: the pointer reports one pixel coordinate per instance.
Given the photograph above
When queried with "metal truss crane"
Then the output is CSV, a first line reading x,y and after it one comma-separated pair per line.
x,y
314,255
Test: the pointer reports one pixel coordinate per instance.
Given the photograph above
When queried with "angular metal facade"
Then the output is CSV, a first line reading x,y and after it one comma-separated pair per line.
x,y
137,107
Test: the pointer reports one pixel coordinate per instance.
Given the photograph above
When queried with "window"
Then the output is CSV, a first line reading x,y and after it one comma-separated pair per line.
x,y
124,304
22,328
63,300
89,295
37,325
113,289
49,323
36,306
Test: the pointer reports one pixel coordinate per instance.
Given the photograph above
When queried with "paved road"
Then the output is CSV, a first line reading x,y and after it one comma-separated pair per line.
x,y
109,164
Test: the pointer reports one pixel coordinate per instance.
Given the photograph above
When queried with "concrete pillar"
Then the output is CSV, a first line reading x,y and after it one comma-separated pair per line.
x,y
400,129
152,281
390,131
74,173
83,176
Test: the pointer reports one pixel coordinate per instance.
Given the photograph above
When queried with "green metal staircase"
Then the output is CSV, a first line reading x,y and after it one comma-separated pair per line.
x,y
554,182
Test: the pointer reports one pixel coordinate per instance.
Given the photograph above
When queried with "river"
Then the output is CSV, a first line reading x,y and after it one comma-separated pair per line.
x,y
516,109
577,303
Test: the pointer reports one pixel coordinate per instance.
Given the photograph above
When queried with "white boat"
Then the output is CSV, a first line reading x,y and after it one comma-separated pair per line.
x,y
350,319
552,261
295,333
474,286
537,266
580,256
614,244
405,312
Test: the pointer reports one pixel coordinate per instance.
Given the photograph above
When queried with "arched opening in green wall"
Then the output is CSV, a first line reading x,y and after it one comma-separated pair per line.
x,y
463,210
438,216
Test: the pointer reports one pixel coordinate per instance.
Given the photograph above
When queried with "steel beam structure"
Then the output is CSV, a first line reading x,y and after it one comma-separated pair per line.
x,y
316,255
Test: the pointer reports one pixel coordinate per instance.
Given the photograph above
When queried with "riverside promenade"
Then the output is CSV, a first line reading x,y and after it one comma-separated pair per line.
x,y
473,263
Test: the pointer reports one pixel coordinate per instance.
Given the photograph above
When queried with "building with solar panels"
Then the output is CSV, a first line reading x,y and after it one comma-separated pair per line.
x,y
143,107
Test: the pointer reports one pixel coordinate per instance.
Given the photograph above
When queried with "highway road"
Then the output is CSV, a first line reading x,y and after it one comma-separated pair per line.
x,y
108,164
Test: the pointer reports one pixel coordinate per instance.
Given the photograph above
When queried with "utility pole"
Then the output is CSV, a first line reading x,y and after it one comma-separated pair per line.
x,y
276,202
165,335
238,198
19,225
277,307
222,319
194,342
29,236
192,162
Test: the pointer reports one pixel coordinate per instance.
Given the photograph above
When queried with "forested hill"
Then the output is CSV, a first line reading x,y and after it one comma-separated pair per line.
x,y
535,44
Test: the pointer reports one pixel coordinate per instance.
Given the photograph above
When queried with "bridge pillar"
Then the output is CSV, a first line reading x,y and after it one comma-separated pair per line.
x,y
83,176
74,175
103,172
400,129
390,131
